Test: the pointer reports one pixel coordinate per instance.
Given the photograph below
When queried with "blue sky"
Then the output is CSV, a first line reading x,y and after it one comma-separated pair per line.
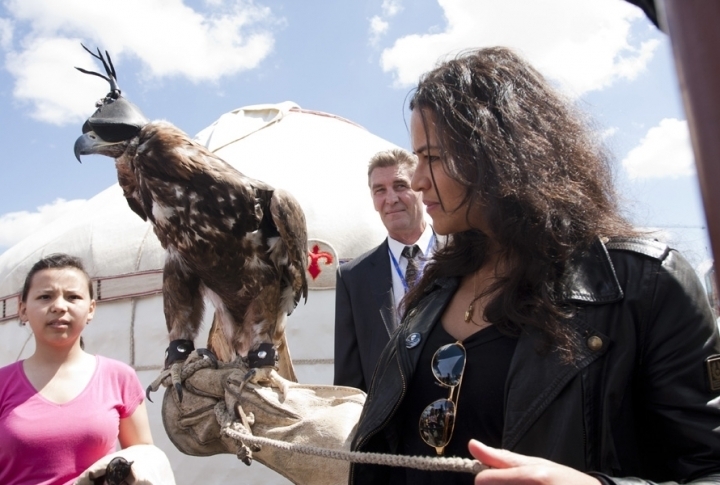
x,y
189,62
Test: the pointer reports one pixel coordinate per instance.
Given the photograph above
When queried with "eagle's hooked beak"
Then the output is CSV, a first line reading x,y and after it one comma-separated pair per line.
x,y
89,143
115,122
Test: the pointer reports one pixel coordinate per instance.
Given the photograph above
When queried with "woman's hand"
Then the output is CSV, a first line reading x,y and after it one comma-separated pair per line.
x,y
512,468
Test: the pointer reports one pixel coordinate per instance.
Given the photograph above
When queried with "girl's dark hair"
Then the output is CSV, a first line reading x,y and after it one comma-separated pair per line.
x,y
537,173
55,261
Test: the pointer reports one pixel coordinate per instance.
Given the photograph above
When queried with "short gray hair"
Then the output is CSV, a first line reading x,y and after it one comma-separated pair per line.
x,y
397,157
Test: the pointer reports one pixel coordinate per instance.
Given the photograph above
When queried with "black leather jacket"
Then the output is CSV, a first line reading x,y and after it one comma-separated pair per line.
x,y
635,403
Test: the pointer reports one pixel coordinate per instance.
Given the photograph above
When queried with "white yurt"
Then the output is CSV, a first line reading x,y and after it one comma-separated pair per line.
x,y
320,158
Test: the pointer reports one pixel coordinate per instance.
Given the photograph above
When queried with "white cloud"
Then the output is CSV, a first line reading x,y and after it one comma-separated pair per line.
x,y
665,151
378,27
390,8
583,44
168,38
379,24
44,76
6,33
15,226
608,133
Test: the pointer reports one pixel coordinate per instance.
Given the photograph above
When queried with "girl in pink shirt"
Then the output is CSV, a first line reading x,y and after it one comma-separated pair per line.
x,y
62,409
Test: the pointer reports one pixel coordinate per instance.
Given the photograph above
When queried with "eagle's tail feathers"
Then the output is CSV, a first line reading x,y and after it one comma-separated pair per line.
x,y
285,365
217,343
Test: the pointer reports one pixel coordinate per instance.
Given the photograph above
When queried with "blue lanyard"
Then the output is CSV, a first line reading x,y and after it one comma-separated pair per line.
x,y
397,265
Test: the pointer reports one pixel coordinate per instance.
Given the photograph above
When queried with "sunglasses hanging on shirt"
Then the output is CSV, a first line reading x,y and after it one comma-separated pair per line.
x,y
437,420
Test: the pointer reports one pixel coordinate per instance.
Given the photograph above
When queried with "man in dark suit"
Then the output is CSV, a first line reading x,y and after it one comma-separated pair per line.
x,y
370,288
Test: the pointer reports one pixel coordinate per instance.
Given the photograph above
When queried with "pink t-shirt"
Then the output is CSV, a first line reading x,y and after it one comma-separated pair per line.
x,y
43,443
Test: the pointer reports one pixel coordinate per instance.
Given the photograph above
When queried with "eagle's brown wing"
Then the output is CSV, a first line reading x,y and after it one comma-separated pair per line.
x,y
201,209
246,241
289,220
129,185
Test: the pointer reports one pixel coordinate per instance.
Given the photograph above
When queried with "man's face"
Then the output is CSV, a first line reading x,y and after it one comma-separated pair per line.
x,y
399,206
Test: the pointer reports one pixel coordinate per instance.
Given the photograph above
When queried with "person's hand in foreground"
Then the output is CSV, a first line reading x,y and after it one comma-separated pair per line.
x,y
513,468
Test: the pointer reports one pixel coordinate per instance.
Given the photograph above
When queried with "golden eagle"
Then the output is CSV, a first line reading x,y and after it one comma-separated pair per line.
x,y
232,239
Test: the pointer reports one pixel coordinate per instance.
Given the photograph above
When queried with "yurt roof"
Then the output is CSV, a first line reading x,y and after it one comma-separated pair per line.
x,y
320,158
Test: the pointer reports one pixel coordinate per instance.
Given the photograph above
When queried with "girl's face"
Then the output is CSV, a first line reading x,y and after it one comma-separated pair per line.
x,y
58,306
442,196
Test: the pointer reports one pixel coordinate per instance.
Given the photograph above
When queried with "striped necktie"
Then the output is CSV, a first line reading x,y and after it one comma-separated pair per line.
x,y
411,273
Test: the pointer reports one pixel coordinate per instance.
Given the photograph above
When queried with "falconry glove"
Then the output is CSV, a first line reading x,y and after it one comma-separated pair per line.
x,y
318,415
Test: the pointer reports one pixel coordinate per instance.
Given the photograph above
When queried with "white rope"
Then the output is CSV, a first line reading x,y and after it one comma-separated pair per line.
x,y
232,428
237,431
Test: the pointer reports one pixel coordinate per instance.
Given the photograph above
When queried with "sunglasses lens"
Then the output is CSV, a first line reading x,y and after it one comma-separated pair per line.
x,y
448,364
437,422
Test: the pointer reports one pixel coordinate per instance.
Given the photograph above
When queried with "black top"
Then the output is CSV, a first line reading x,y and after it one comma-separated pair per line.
x,y
479,411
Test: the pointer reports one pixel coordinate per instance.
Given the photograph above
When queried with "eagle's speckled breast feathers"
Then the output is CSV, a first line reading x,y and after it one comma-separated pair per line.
x,y
233,239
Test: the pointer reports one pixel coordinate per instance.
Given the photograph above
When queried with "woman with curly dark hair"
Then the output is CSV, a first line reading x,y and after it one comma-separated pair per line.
x,y
582,349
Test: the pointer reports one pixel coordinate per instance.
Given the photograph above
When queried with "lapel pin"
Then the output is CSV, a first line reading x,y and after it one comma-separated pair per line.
x,y
412,340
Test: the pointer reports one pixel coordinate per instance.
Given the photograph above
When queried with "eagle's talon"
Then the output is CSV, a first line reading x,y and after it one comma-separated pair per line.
x,y
245,454
208,354
248,376
155,385
178,389
175,375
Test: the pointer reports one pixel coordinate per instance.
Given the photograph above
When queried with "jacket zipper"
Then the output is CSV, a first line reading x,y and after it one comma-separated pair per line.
x,y
402,394
392,413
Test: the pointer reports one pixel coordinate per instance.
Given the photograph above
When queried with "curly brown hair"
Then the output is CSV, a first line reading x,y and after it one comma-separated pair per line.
x,y
528,157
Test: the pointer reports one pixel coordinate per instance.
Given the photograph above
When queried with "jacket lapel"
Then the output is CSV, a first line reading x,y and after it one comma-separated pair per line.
x,y
535,378
382,290
421,319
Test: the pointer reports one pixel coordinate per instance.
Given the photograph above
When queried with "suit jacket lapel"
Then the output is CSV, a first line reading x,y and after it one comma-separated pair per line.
x,y
382,289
